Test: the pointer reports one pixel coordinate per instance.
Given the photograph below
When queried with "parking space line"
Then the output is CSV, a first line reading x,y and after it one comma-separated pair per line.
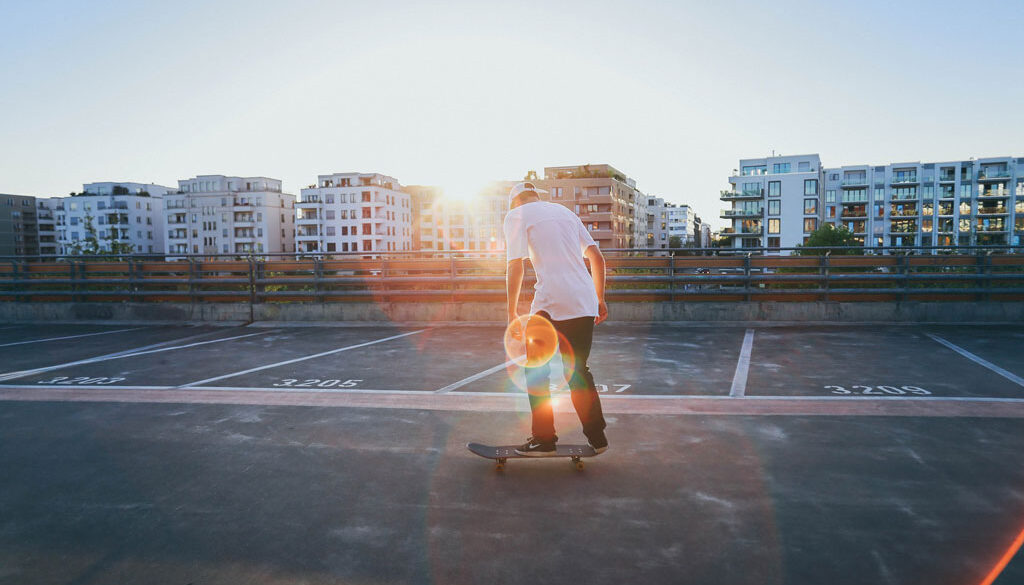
x,y
292,361
474,377
69,337
739,378
980,361
23,373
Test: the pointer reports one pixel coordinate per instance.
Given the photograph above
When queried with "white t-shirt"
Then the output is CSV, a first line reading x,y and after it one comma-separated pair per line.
x,y
554,239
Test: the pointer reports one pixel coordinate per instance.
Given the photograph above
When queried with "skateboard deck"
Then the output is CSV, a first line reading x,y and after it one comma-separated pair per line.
x,y
503,453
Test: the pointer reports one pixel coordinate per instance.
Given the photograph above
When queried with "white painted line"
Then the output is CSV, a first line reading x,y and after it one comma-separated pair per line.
x,y
474,377
739,379
69,337
292,361
982,362
23,373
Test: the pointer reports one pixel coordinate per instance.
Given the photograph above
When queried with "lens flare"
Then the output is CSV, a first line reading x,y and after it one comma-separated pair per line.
x,y
530,341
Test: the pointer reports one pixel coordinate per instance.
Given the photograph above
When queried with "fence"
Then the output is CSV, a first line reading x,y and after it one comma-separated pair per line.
x,y
976,274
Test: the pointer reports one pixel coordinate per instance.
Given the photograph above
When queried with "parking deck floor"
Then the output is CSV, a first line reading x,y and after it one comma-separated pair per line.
x,y
276,453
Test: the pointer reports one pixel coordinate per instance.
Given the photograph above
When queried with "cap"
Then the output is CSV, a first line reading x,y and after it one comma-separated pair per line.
x,y
520,188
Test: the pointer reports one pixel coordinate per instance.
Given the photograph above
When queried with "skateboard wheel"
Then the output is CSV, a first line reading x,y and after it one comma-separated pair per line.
x,y
500,466
579,466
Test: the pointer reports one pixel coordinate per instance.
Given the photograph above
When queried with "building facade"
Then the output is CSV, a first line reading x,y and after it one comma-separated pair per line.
x,y
775,202
668,220
954,203
47,221
354,212
218,214
121,216
606,200
19,230
473,224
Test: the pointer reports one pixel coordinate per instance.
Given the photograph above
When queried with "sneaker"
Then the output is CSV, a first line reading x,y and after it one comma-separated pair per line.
x,y
599,443
535,448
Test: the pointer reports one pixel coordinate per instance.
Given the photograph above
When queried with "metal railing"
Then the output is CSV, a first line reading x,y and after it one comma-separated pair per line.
x,y
719,274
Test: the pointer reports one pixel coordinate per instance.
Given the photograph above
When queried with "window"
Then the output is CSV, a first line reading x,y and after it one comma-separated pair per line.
x,y
328,214
329,198
556,192
774,242
830,196
811,187
774,188
879,194
810,206
774,207
774,225
810,224
778,168
803,167
366,199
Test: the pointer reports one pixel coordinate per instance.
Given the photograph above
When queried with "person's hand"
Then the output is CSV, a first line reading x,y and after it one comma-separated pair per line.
x,y
602,312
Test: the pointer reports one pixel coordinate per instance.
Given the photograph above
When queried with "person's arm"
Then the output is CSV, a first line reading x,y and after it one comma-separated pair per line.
x,y
513,285
597,270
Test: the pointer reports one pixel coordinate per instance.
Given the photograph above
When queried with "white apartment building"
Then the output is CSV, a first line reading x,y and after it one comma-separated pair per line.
x,y
668,220
354,212
218,214
471,224
775,201
779,201
954,203
120,212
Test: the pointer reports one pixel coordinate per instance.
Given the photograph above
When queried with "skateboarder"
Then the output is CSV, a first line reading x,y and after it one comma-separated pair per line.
x,y
555,241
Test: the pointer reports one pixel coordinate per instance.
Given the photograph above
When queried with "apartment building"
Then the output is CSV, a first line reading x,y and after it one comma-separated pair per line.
x,y
668,220
606,200
47,222
219,214
468,224
775,202
19,230
953,203
122,215
354,212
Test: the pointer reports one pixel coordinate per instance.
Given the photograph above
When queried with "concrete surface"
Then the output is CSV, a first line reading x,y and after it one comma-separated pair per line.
x,y
442,312
199,454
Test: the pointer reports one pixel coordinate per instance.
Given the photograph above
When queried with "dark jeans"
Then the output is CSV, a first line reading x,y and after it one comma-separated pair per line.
x,y
575,337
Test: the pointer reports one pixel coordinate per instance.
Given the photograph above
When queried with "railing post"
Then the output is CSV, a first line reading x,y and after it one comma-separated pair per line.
x,y
131,279
984,264
73,274
746,273
191,280
451,274
252,288
671,277
826,272
904,264
15,276
318,275
384,277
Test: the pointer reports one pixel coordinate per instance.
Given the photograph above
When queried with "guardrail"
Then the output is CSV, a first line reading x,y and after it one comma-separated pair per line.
x,y
973,274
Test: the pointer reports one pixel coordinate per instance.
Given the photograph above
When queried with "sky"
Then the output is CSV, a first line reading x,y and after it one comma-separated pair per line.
x,y
459,93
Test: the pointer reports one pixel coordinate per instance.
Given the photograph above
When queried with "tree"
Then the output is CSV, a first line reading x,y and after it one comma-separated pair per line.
x,y
829,238
530,176
675,242
90,245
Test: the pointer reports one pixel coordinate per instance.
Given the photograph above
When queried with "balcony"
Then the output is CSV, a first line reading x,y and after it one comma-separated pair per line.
x,y
604,216
731,232
750,194
602,234
994,194
990,229
855,182
993,211
727,213
947,179
993,175
904,180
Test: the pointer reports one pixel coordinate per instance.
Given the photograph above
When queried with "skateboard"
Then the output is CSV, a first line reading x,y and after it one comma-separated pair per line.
x,y
503,453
